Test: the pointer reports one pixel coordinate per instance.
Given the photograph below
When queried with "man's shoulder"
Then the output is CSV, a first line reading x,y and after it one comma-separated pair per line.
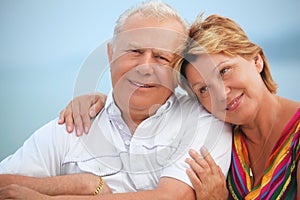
x,y
52,131
190,104
186,99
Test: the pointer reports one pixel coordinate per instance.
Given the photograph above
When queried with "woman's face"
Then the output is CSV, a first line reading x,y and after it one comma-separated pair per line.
x,y
231,88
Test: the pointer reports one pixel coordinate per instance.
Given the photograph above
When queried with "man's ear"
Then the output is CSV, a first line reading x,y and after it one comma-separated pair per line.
x,y
109,52
259,63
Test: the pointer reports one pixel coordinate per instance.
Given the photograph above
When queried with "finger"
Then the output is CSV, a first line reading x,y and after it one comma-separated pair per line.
x,y
77,117
194,179
85,116
86,122
61,119
68,117
203,174
69,121
209,160
94,110
195,166
199,159
200,166
97,105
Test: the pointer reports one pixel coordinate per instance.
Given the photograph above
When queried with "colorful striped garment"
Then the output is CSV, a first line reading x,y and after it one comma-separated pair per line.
x,y
280,177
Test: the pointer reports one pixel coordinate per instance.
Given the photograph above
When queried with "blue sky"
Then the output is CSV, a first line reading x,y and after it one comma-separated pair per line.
x,y
39,33
44,43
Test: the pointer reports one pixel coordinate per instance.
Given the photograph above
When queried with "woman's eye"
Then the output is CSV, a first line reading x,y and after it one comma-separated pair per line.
x,y
203,89
224,70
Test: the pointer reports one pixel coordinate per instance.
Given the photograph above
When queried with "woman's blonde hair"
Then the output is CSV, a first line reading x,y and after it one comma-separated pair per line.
x,y
217,34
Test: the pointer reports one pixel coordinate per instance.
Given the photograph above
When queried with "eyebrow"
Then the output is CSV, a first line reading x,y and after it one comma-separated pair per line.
x,y
155,50
134,45
221,63
163,52
197,83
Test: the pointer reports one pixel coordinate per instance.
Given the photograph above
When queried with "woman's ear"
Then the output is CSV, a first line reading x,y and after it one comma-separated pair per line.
x,y
259,63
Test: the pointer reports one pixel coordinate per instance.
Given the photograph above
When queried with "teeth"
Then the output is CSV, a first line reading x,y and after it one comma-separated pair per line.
x,y
139,84
233,104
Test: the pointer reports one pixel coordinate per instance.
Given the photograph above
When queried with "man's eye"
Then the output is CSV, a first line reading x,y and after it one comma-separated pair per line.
x,y
164,58
203,89
137,51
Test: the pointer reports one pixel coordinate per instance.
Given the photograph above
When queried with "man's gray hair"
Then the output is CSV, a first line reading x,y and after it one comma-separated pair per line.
x,y
151,9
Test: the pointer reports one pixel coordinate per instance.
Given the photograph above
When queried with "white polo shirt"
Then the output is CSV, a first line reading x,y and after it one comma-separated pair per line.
x,y
127,163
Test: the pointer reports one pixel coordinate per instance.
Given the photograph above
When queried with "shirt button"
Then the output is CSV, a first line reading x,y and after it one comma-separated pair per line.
x,y
127,142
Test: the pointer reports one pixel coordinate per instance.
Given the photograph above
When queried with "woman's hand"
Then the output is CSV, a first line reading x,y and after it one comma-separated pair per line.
x,y
80,111
206,176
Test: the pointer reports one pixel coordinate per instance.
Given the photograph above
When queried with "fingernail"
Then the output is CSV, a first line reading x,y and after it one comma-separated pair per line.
x,y
78,132
203,151
193,151
86,129
69,129
92,113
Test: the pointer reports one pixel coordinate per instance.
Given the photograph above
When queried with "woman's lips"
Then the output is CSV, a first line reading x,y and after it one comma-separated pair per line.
x,y
234,103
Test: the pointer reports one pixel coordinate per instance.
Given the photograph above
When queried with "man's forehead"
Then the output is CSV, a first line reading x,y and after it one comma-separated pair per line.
x,y
150,37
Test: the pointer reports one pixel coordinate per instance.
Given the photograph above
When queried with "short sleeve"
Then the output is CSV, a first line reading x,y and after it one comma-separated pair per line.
x,y
41,154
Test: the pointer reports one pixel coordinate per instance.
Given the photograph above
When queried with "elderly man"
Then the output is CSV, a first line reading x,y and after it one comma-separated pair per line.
x,y
138,143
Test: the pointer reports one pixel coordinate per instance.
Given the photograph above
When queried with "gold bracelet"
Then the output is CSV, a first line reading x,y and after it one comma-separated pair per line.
x,y
100,186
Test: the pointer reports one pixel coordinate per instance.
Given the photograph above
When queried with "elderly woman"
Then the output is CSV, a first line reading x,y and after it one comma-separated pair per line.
x,y
231,78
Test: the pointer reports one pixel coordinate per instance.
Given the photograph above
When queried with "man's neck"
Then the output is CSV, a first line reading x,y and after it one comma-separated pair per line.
x,y
133,121
135,115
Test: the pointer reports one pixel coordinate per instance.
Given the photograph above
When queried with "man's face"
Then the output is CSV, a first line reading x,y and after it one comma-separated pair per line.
x,y
140,63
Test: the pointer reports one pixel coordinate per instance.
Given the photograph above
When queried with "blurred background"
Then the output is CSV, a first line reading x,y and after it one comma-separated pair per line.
x,y
45,44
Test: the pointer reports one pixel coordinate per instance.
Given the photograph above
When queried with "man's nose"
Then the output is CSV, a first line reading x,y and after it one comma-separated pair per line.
x,y
146,64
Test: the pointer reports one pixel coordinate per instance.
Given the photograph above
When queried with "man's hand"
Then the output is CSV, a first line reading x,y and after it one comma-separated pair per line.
x,y
21,193
80,111
72,184
206,176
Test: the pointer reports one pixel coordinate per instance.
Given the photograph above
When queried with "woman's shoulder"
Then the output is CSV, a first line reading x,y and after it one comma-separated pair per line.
x,y
289,108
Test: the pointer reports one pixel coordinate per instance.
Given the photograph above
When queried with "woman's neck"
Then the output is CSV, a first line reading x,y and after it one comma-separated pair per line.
x,y
262,124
